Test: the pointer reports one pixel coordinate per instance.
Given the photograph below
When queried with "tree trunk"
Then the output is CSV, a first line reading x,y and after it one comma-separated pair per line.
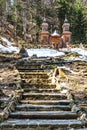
x,y
24,23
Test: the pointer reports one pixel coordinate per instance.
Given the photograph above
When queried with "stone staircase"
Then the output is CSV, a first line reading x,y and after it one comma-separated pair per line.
x,y
42,106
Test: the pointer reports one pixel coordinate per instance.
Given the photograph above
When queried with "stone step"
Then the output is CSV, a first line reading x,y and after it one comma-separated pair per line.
x,y
4,99
44,96
37,86
34,73
39,73
33,107
32,69
35,76
41,90
46,102
27,124
37,80
29,66
43,115
31,63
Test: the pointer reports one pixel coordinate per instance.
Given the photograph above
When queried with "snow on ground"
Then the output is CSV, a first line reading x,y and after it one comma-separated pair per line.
x,y
79,51
42,52
82,52
9,48
6,41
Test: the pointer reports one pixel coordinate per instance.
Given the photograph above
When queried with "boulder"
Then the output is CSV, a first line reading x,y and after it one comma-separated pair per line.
x,y
23,52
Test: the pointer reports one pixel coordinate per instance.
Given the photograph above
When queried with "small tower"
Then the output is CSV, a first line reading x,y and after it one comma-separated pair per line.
x,y
44,32
66,35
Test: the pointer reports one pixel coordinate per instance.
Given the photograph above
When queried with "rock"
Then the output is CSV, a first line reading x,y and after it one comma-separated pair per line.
x,y
75,108
34,56
23,52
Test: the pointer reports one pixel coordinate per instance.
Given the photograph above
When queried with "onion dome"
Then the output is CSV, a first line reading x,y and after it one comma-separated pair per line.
x,y
44,22
66,23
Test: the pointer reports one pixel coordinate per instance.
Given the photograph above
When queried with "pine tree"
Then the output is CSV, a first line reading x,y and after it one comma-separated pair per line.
x,y
75,12
79,23
64,8
2,7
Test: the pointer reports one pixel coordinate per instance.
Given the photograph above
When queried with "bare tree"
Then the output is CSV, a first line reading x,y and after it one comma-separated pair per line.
x,y
24,23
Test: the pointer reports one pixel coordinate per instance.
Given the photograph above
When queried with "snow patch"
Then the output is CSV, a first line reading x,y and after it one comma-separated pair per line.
x,y
9,48
79,51
44,52
82,52
7,42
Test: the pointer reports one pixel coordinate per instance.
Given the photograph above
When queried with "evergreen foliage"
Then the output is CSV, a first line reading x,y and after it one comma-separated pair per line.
x,y
79,23
2,6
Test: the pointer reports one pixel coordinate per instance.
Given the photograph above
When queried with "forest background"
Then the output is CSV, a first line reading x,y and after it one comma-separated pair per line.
x,y
23,18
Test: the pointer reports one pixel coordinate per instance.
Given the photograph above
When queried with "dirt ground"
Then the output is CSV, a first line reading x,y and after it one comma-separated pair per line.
x,y
77,82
